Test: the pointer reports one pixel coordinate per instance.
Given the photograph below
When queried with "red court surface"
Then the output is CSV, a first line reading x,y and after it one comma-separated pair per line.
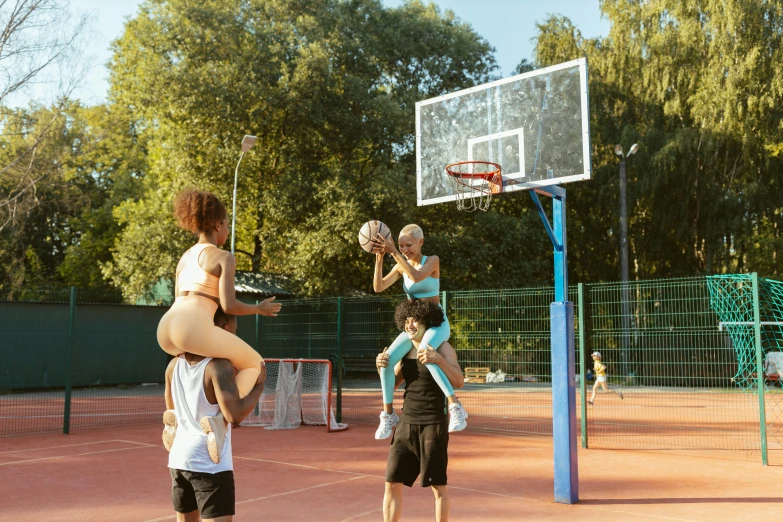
x,y
308,474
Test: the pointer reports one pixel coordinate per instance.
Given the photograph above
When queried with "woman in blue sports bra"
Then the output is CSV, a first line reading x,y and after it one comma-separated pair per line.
x,y
421,280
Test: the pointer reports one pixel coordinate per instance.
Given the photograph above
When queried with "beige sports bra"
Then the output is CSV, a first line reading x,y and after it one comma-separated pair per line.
x,y
193,278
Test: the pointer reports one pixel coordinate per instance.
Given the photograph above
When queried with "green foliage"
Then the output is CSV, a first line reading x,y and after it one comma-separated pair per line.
x,y
78,163
328,87
699,86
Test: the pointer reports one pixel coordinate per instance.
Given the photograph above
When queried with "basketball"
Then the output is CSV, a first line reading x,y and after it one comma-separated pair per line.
x,y
368,232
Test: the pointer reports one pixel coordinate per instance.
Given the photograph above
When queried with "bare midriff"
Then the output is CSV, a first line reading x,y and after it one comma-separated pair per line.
x,y
193,292
434,299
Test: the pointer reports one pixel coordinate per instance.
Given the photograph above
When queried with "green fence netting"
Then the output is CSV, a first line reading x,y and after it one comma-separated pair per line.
x,y
70,365
674,367
687,376
751,312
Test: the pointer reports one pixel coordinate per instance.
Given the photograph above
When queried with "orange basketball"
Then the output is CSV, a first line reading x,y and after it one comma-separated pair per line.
x,y
368,232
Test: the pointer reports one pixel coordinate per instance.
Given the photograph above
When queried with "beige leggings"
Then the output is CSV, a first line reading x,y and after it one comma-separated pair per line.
x,y
189,326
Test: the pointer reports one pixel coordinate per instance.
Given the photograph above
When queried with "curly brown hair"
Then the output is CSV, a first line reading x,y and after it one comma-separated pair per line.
x,y
198,211
425,312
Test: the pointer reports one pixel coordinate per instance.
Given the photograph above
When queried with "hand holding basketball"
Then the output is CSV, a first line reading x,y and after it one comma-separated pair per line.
x,y
384,244
268,308
368,236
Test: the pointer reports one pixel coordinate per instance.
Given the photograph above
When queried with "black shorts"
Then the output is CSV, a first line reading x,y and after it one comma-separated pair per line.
x,y
419,450
212,494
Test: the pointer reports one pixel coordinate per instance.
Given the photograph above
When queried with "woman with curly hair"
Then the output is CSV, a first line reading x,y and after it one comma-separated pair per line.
x,y
204,282
421,280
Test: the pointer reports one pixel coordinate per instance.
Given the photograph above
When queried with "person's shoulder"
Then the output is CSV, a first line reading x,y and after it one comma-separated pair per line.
x,y
172,364
432,259
446,350
220,367
217,252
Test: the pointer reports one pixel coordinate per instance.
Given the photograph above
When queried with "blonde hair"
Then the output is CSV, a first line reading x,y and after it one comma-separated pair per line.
x,y
414,231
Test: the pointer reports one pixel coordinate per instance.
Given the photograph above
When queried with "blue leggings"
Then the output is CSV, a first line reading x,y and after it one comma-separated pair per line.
x,y
433,337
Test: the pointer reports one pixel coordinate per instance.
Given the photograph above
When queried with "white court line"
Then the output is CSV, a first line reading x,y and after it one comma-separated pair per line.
x,y
247,501
78,415
56,447
362,514
74,455
306,466
582,506
74,445
142,445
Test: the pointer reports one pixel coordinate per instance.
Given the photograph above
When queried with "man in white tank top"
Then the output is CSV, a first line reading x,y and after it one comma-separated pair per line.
x,y
197,387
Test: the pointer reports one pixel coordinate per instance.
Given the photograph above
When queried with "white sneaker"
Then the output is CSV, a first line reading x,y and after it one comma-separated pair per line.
x,y
388,421
216,428
457,418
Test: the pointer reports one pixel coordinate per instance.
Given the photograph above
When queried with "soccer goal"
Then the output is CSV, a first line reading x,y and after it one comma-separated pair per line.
x,y
297,391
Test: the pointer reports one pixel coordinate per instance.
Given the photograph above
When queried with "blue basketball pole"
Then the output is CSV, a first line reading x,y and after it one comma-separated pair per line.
x,y
564,426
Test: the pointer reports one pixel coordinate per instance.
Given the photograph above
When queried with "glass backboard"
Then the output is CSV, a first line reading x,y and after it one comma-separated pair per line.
x,y
535,125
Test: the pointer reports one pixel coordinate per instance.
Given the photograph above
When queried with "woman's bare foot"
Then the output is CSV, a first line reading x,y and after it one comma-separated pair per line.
x,y
169,428
216,428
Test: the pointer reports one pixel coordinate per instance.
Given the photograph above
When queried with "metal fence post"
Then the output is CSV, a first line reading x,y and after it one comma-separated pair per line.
x,y
443,303
68,363
257,343
760,369
340,332
582,372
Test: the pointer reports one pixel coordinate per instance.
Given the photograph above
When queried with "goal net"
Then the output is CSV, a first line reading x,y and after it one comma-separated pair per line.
x,y
296,391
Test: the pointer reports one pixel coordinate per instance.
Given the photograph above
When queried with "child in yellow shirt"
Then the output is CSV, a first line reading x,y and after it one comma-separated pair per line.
x,y
600,376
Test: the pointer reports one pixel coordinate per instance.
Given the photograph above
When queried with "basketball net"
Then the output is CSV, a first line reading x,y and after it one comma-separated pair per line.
x,y
473,183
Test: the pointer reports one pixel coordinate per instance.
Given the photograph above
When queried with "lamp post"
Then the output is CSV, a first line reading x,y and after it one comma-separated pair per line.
x,y
626,312
247,143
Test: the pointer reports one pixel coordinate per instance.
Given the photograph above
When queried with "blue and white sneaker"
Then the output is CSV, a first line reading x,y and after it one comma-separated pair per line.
x,y
457,417
388,422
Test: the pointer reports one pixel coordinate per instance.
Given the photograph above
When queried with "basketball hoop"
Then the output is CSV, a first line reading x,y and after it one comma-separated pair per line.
x,y
474,183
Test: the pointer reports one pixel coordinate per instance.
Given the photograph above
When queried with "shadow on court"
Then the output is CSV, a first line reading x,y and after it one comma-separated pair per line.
x,y
640,501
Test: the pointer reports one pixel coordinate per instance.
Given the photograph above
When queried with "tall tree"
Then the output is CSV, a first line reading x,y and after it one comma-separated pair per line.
x,y
699,86
329,88
87,161
37,38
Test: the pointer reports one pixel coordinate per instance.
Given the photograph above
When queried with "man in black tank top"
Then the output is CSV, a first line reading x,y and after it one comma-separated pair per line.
x,y
420,442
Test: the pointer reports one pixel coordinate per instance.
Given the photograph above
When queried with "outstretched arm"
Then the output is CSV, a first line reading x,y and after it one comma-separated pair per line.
x,y
228,297
446,358
222,376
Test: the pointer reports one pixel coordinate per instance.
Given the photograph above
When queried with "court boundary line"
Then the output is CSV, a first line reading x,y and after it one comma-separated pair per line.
x,y
139,445
72,445
583,506
358,476
256,499
354,517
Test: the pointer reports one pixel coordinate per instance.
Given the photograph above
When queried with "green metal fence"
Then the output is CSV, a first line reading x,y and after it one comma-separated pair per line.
x,y
78,359
694,359
674,367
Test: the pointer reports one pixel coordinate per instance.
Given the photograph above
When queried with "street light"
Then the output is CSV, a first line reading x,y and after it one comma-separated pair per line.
x,y
618,150
247,143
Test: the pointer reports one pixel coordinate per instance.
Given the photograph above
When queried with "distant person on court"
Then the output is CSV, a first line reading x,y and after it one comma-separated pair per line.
x,y
204,281
421,439
197,387
421,280
600,377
